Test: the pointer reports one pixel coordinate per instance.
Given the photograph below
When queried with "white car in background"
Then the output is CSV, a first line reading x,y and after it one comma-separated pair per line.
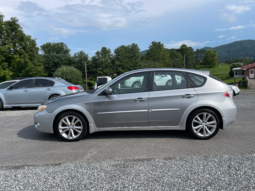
x,y
235,89
160,80
101,80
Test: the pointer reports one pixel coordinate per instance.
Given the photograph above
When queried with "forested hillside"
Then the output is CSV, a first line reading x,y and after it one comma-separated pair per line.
x,y
234,50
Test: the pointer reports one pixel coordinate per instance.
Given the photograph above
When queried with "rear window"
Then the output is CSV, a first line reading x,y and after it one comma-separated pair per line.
x,y
197,80
216,78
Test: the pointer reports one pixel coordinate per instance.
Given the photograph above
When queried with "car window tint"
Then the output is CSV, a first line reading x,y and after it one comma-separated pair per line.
x,y
43,83
23,84
166,80
5,85
197,80
131,84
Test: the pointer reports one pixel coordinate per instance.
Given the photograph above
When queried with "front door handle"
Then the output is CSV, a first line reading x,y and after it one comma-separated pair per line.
x,y
140,99
25,91
187,96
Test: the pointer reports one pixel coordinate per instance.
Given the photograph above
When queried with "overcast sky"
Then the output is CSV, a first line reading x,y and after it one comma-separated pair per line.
x,y
89,25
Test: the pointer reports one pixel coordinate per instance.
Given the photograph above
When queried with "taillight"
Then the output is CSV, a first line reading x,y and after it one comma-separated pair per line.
x,y
229,94
72,88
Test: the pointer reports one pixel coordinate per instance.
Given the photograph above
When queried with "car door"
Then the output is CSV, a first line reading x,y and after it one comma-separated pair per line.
x,y
19,94
41,90
167,103
126,107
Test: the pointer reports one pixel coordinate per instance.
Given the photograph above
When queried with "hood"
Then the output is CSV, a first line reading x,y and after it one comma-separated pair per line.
x,y
64,97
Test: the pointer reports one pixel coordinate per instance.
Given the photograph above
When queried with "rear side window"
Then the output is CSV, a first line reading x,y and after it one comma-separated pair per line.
x,y
197,80
43,83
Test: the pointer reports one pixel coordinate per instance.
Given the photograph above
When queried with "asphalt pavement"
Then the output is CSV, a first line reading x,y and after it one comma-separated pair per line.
x,y
144,160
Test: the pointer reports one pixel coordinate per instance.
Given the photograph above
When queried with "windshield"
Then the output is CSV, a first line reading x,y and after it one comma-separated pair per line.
x,y
5,85
114,80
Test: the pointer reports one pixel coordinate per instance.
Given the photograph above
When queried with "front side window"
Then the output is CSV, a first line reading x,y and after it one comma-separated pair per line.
x,y
23,84
133,83
197,80
169,80
5,85
43,83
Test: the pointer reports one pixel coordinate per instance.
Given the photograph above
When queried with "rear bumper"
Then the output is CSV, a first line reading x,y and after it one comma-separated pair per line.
x,y
229,111
43,122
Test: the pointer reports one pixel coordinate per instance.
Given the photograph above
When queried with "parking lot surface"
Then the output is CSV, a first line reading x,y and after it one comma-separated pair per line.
x,y
129,160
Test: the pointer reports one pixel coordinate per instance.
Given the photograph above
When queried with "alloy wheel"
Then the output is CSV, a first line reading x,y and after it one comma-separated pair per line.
x,y
204,124
137,85
70,127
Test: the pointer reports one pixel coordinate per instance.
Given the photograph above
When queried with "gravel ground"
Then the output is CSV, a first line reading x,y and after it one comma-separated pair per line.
x,y
203,173
8,113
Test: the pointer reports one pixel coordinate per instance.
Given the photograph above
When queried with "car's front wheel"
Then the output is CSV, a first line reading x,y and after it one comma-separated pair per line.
x,y
203,124
1,105
70,126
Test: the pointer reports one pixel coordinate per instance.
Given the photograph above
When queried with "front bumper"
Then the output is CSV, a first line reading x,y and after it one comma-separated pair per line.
x,y
229,110
43,121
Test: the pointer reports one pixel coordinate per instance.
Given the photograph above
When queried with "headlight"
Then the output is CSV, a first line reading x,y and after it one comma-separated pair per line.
x,y
41,108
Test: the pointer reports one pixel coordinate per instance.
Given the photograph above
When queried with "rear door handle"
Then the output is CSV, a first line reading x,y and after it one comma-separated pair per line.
x,y
187,96
140,99
48,89
25,91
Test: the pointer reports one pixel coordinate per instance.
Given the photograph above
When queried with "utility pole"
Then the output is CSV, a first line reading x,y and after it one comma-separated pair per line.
x,y
184,60
86,76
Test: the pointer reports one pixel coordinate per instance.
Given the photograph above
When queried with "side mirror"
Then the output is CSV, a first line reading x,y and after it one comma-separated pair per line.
x,y
10,88
108,91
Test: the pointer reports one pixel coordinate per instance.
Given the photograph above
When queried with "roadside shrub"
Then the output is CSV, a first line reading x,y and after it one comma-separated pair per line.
x,y
231,73
70,74
91,85
245,83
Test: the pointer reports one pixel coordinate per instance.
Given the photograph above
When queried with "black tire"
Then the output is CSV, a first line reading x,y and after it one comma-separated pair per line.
x,y
1,105
167,83
136,84
53,96
234,93
68,114
199,112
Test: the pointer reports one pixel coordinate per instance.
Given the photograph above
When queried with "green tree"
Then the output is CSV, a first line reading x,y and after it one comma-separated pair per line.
x,y
55,55
55,48
210,59
101,64
157,54
19,55
176,58
79,61
126,58
70,74
188,52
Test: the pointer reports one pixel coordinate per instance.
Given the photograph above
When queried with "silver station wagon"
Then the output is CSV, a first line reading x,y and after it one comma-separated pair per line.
x,y
32,92
194,101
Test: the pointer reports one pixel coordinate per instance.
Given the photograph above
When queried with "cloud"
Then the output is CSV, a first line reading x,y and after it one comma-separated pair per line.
x,y
61,31
237,27
232,38
29,7
247,1
221,36
238,9
229,17
56,38
220,29
187,42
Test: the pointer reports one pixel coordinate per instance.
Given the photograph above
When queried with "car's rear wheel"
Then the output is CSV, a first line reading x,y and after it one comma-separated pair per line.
x,y
70,126
234,93
136,85
53,96
203,124
169,83
1,105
